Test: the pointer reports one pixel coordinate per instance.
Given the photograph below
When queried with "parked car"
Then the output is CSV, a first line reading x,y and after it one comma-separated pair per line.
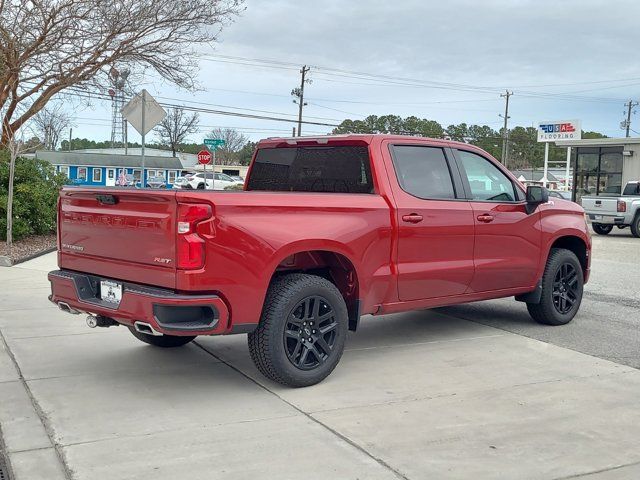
x,y
219,181
605,212
327,230
156,182
180,182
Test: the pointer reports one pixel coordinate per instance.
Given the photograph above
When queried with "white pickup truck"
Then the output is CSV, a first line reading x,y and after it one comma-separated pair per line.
x,y
606,212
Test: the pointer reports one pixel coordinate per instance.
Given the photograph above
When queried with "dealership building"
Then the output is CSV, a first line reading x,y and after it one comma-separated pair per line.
x,y
602,166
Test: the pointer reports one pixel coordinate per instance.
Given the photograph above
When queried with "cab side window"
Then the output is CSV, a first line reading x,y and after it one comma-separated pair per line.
x,y
423,172
487,182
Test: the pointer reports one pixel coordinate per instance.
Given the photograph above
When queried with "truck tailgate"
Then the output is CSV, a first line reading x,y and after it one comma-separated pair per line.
x,y
600,205
119,233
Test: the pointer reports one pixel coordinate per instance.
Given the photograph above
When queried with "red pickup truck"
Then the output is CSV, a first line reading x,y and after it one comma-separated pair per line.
x,y
326,230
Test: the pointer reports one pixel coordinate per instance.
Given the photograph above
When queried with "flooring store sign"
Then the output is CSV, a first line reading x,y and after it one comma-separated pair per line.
x,y
559,130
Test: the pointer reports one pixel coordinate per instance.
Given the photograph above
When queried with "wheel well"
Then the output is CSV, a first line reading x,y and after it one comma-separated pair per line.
x,y
333,266
577,246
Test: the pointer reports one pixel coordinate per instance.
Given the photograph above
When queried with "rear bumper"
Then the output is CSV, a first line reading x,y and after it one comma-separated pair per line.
x,y
166,311
607,219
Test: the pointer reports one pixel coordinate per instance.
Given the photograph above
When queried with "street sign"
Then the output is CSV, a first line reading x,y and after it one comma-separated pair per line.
x,y
559,130
153,112
204,157
214,142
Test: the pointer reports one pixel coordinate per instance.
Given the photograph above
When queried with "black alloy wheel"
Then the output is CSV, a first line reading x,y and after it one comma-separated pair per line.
x,y
562,289
565,288
302,330
310,333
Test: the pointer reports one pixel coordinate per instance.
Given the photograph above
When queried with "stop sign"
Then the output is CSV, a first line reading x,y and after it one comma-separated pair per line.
x,y
204,157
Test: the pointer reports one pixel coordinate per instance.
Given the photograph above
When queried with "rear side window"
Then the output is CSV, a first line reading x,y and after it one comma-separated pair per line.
x,y
423,172
632,188
343,168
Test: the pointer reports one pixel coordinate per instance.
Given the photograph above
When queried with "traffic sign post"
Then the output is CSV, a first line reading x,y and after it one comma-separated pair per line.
x,y
213,144
144,113
204,159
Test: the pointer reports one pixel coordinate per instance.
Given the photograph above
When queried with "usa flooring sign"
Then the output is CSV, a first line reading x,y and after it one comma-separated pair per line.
x,y
559,130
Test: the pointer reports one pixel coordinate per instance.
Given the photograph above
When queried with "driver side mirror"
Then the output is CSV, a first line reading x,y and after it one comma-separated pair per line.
x,y
536,195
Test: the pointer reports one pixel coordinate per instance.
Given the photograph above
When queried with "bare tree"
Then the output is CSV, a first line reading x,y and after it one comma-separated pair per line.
x,y
233,143
176,127
49,123
48,46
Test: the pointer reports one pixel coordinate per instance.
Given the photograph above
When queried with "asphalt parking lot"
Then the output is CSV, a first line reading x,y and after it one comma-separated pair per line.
x,y
474,391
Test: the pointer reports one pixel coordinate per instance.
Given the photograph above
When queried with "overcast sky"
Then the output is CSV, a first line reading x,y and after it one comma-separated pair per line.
x,y
563,60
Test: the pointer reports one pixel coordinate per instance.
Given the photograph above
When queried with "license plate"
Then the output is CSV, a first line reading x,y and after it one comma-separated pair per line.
x,y
111,291
596,217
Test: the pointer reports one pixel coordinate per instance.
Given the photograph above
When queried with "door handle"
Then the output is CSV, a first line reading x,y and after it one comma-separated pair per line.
x,y
413,218
485,218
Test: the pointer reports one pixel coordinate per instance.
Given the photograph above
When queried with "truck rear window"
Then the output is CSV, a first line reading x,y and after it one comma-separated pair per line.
x,y
343,168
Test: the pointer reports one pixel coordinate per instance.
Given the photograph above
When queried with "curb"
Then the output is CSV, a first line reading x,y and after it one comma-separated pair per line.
x,y
7,262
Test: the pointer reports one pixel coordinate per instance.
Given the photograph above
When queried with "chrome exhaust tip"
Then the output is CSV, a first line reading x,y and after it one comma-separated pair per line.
x,y
146,328
67,309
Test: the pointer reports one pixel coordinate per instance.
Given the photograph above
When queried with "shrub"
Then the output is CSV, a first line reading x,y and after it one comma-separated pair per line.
x,y
234,187
35,190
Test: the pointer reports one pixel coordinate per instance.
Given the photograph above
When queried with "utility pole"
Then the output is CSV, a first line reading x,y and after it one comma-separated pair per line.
x,y
505,132
627,124
298,92
70,133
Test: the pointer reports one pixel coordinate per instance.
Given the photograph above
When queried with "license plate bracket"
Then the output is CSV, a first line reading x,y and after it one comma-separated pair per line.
x,y
110,292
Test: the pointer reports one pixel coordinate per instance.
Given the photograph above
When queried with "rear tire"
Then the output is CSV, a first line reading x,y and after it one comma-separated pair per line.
x,y
601,229
164,341
302,330
635,226
201,186
562,288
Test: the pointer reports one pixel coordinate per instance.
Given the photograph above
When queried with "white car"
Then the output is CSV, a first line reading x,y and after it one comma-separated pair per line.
x,y
219,182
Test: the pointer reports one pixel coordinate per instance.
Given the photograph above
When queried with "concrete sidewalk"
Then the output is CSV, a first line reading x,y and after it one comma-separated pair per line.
x,y
419,396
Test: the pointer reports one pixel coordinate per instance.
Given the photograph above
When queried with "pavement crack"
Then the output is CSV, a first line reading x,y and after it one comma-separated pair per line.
x,y
39,411
309,416
608,469
424,343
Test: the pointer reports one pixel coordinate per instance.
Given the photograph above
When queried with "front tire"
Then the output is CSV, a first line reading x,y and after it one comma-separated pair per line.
x,y
562,288
302,330
601,229
164,341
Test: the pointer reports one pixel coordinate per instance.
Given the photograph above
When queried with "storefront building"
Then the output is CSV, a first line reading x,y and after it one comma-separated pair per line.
x,y
602,166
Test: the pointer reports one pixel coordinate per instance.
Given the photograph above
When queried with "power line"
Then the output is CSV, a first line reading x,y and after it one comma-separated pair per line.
x,y
80,93
410,82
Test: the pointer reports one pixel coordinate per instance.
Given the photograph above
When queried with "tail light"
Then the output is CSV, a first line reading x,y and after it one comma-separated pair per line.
x,y
190,245
622,206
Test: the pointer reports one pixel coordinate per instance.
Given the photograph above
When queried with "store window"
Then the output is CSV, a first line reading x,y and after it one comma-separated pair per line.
x,y
97,175
598,171
82,174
